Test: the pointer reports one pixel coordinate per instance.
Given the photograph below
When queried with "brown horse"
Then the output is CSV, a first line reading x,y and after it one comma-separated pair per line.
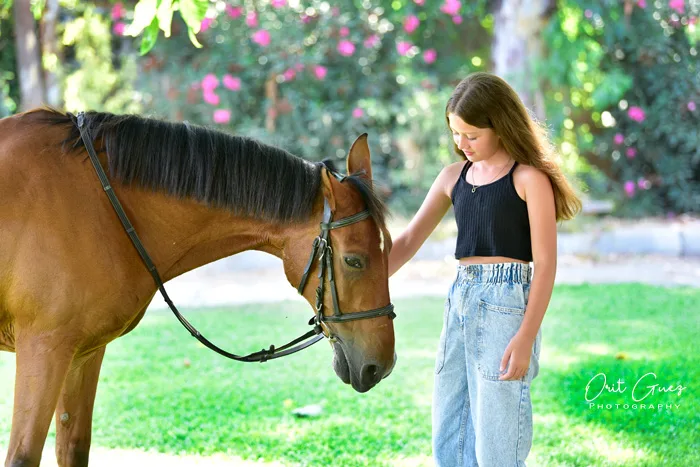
x,y
71,281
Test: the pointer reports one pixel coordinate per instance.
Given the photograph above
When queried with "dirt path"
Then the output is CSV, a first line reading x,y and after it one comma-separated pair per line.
x,y
257,277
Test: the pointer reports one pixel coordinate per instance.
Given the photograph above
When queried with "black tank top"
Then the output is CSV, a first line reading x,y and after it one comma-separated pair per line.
x,y
492,220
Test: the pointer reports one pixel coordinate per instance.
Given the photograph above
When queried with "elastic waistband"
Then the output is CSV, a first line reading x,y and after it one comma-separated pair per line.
x,y
514,273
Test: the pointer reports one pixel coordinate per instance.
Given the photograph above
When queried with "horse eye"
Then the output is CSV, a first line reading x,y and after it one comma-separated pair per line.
x,y
353,262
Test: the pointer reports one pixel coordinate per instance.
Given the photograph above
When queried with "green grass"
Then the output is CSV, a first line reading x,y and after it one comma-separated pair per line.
x,y
148,399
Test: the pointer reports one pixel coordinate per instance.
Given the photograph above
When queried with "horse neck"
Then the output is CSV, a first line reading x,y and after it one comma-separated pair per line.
x,y
182,234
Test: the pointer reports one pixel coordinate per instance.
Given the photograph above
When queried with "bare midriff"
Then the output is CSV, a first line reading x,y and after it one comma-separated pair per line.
x,y
489,260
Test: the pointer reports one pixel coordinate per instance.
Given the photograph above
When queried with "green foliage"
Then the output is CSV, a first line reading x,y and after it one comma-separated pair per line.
x,y
9,89
92,79
604,61
149,398
150,16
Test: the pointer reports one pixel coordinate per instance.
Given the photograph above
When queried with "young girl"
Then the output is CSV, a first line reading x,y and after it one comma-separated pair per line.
x,y
508,193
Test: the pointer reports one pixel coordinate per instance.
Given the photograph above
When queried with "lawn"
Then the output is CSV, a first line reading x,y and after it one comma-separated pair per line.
x,y
150,398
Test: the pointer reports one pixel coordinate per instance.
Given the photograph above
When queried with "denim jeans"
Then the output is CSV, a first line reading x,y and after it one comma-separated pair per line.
x,y
477,419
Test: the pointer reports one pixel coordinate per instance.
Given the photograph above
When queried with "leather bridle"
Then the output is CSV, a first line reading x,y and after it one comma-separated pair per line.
x,y
321,247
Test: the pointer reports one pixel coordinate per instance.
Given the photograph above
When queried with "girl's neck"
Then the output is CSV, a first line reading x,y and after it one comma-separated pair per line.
x,y
495,162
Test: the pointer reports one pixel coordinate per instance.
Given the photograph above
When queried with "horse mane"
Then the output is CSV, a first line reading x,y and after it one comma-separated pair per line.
x,y
232,172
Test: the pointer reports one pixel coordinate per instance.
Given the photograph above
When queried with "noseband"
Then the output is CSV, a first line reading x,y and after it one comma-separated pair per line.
x,y
321,245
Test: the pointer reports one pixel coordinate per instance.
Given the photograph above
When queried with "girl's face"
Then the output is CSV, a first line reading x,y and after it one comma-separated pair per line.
x,y
477,144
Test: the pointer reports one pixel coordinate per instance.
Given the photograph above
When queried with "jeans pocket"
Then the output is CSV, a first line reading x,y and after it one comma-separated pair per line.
x,y
496,326
442,345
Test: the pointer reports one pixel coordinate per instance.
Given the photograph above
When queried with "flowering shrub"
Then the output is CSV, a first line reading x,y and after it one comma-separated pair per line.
x,y
620,80
625,90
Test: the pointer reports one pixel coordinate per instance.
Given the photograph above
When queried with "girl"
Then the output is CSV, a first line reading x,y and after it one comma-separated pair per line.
x,y
508,193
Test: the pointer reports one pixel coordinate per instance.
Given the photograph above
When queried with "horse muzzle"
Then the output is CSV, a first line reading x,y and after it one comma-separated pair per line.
x,y
361,374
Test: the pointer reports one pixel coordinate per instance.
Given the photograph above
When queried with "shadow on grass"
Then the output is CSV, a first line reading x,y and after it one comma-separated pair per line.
x,y
609,339
614,428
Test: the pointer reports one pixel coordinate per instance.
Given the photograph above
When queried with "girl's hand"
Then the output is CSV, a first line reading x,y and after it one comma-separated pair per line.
x,y
516,357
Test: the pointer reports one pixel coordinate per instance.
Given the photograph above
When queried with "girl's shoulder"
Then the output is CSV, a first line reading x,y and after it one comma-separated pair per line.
x,y
527,178
529,174
449,176
455,167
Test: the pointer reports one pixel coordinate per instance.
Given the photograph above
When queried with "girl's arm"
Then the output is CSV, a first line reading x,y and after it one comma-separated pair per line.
x,y
543,232
436,204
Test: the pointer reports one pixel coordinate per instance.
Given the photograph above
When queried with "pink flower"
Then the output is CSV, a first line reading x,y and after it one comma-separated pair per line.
x,y
636,114
206,23
411,24
261,37
299,66
289,74
642,3
346,48
234,11
457,19
278,3
344,31
232,82
320,72
252,19
451,7
429,56
371,41
402,47
358,112
222,116
629,188
419,2
119,28
678,5
588,14
619,138
692,106
335,11
631,153
210,82
118,11
643,183
210,97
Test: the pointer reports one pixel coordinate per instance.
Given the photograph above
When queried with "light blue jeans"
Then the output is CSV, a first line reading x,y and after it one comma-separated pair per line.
x,y
479,421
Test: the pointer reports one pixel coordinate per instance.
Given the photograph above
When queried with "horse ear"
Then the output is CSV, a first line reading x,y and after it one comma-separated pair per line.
x,y
327,186
359,160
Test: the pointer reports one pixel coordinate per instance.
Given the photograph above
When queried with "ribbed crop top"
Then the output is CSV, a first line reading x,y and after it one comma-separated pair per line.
x,y
491,221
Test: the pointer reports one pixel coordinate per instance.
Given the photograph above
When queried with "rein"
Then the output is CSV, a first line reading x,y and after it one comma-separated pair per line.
x,y
321,246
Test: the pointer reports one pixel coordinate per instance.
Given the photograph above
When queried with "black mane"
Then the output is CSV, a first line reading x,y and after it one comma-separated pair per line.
x,y
190,161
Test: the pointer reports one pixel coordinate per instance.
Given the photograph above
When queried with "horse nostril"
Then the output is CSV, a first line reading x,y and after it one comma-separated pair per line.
x,y
370,375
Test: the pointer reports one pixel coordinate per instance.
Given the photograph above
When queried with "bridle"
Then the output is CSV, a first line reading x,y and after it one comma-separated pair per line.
x,y
321,247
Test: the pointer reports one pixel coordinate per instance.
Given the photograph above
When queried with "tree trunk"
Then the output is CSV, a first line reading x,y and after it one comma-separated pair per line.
x,y
271,95
31,84
51,51
518,46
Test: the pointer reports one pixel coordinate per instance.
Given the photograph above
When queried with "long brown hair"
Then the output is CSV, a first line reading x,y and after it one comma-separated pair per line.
x,y
484,100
